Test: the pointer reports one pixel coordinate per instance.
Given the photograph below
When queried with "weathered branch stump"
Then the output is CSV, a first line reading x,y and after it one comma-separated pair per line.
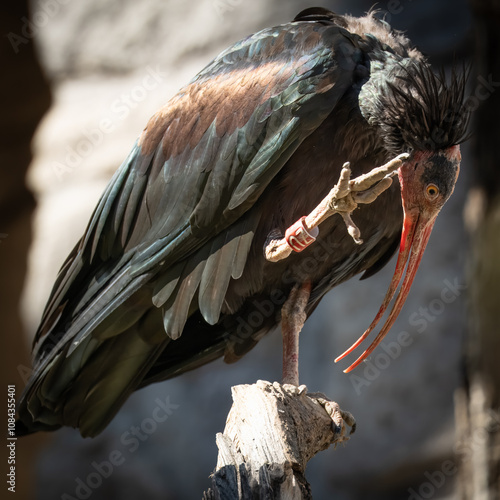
x,y
272,431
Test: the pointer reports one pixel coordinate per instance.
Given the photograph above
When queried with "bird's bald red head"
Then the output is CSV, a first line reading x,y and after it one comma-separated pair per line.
x,y
427,180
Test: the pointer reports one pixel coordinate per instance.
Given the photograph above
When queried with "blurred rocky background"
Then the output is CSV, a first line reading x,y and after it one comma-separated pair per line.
x,y
25,97
478,401
111,64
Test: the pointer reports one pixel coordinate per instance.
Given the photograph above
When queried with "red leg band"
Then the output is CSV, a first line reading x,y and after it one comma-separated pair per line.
x,y
298,237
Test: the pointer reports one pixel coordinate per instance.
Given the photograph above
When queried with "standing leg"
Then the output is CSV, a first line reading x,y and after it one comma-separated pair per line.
x,y
293,317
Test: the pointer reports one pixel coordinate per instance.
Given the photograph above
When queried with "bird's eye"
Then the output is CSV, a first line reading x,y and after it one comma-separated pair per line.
x,y
431,191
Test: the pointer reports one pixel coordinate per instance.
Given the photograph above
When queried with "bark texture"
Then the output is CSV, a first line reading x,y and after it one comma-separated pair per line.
x,y
271,432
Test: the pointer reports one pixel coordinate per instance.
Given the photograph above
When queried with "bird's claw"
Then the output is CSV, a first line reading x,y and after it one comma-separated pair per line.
x,y
352,229
366,181
339,417
343,199
348,193
293,389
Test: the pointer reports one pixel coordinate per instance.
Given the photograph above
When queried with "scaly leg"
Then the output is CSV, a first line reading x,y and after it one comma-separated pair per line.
x,y
293,317
343,199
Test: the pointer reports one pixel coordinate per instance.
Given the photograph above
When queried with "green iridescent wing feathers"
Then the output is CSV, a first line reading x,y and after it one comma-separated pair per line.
x,y
174,225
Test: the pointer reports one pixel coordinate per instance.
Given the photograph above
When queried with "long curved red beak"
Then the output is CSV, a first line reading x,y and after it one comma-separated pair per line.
x,y
414,238
417,228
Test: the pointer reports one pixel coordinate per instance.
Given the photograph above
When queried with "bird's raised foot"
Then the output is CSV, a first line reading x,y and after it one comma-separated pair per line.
x,y
343,199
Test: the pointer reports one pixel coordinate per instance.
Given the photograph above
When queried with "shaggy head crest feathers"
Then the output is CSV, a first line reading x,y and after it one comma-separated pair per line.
x,y
419,110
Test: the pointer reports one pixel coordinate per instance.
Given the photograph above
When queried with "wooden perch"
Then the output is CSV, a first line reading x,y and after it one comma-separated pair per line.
x,y
272,431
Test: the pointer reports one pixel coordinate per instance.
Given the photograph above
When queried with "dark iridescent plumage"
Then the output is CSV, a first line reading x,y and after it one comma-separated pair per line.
x,y
170,272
